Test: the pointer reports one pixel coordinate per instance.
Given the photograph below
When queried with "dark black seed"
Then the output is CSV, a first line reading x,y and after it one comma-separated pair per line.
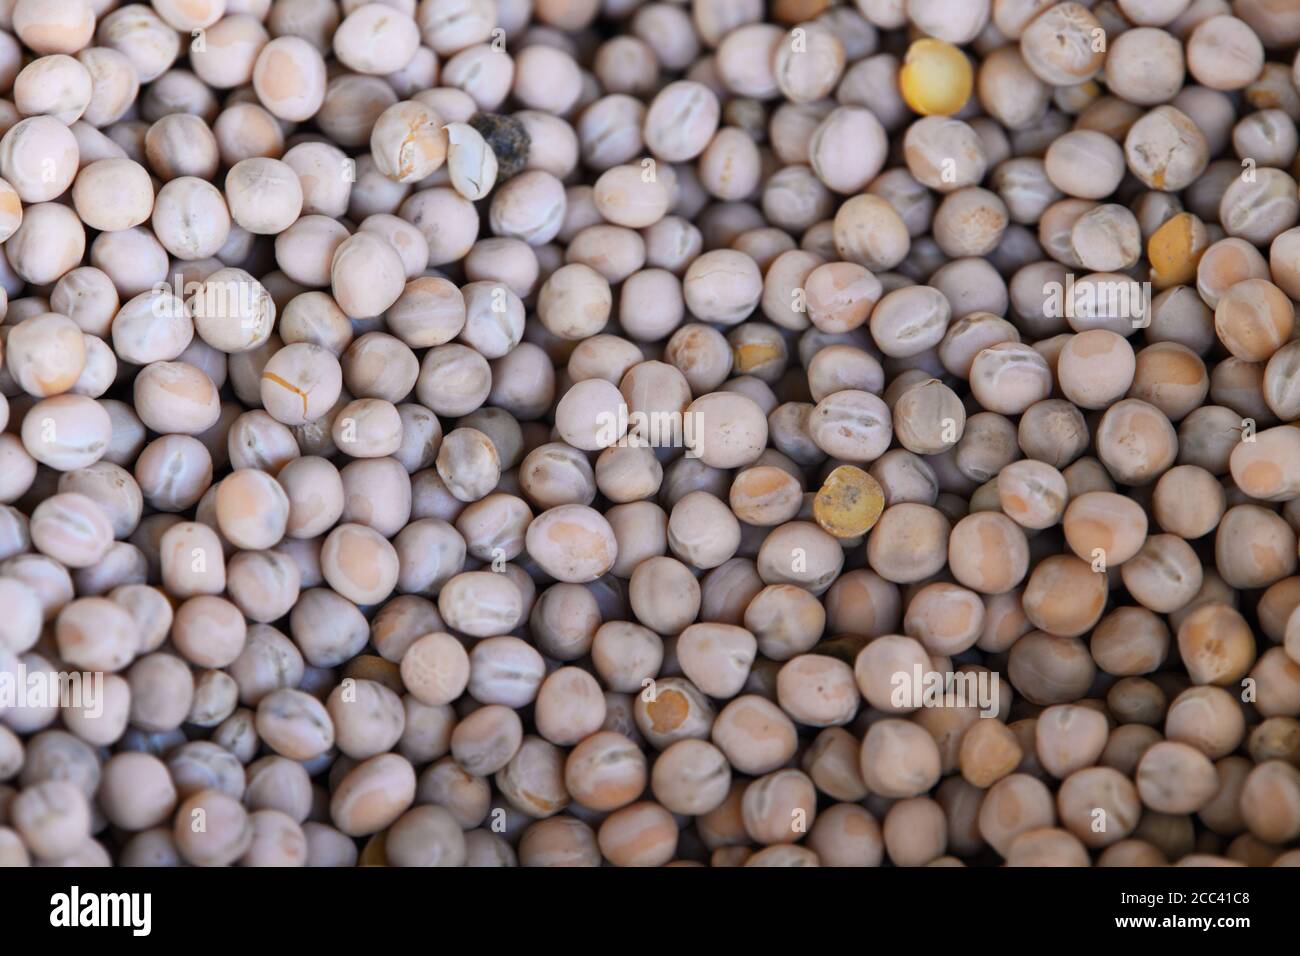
x,y
508,139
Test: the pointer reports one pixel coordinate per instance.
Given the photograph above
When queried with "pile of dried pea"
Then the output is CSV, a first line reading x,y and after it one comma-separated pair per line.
x,y
580,432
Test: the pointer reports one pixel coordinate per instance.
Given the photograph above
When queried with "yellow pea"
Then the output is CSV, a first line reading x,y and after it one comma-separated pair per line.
x,y
752,355
849,502
936,78
1175,249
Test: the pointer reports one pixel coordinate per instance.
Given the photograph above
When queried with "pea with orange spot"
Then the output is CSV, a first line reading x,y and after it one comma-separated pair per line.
x,y
605,771
176,398
1032,493
988,552
45,354
359,563
989,751
11,210
572,543
849,502
1254,547
1106,522
1170,377
1253,319
252,509
644,834
1136,442
1165,575
936,78
667,713
1225,264
765,495
289,78
945,618
672,709
1064,597
557,841
841,295
1175,250
755,734
1268,468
